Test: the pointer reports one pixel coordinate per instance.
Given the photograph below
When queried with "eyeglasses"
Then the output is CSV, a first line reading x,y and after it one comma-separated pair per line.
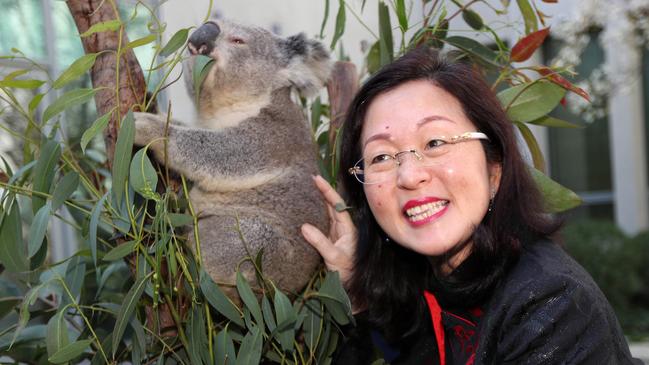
x,y
381,167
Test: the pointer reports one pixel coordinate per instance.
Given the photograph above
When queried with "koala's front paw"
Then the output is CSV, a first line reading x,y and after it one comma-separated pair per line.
x,y
148,128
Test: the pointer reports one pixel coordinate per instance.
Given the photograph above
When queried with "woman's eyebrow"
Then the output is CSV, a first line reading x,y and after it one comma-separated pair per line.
x,y
385,136
432,118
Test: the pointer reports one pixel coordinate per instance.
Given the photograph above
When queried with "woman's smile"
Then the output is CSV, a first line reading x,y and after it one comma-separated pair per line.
x,y
421,211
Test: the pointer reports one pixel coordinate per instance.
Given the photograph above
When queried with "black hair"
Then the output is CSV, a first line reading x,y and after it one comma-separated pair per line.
x,y
388,279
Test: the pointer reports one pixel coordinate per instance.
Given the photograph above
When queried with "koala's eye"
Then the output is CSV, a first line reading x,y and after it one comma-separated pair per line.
x,y
237,40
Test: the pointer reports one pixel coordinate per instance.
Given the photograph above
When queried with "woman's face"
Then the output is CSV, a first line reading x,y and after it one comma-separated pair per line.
x,y
428,209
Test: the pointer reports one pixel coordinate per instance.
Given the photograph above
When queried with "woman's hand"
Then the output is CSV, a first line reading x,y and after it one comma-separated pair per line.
x,y
338,248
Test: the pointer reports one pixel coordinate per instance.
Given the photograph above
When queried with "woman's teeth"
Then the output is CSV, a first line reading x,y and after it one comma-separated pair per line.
x,y
424,211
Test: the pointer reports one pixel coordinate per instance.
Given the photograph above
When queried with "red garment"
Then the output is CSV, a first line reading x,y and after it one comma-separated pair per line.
x,y
456,334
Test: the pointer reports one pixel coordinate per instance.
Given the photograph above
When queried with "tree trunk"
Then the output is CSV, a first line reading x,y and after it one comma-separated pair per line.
x,y
120,92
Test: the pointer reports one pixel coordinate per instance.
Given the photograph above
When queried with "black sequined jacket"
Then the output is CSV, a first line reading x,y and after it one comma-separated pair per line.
x,y
546,310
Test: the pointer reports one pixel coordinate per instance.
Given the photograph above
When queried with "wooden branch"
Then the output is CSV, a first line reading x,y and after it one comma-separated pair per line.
x,y
342,87
132,88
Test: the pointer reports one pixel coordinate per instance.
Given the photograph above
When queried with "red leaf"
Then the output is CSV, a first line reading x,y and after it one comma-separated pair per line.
x,y
526,46
561,81
563,101
550,1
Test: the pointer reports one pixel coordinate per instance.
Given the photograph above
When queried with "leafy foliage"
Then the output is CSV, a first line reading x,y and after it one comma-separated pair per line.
x,y
134,290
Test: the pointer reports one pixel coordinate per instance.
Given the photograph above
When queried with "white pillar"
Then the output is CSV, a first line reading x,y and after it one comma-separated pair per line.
x,y
627,136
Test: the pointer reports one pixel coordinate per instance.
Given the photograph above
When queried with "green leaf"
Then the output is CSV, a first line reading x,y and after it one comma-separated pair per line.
x,y
74,275
335,299
474,48
64,189
70,98
180,220
13,253
37,230
22,84
219,300
97,127
127,309
531,101
110,25
35,333
176,41
123,148
556,197
143,177
196,335
528,16
401,14
202,66
69,352
313,324
340,24
57,333
139,42
324,19
92,227
374,58
44,172
79,67
251,346
548,121
249,299
386,47
33,104
285,314
472,18
269,318
120,251
532,145
224,348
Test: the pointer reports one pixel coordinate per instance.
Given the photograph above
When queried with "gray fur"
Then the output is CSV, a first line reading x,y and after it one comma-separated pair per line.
x,y
255,169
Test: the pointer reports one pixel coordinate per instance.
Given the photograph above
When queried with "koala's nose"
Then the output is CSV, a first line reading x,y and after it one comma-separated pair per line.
x,y
202,40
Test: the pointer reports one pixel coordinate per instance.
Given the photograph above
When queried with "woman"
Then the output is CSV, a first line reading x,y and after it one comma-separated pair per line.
x,y
448,258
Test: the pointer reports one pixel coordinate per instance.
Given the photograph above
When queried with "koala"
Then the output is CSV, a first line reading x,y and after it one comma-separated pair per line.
x,y
250,155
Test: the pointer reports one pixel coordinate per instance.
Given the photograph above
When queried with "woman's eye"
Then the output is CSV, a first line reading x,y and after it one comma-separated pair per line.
x,y
380,158
237,41
434,143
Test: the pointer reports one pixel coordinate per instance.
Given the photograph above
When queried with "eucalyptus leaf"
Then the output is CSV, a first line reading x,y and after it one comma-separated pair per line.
x,y
37,230
64,189
386,46
335,299
110,25
249,299
33,104
340,24
57,333
69,352
127,309
400,8
200,70
74,275
120,251
548,121
219,300
532,145
122,157
143,177
529,16
13,253
472,18
44,172
313,323
92,227
96,128
196,335
29,334
79,67
251,346
224,348
531,101
475,48
177,40
556,197
269,318
140,42
22,84
285,314
325,17
67,100
180,220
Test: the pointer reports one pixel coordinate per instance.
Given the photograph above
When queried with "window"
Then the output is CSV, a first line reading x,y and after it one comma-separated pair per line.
x,y
580,158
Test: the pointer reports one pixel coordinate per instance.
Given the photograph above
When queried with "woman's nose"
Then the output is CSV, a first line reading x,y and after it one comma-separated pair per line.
x,y
411,174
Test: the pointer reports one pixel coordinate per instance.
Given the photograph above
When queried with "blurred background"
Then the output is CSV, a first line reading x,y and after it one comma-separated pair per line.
x,y
605,161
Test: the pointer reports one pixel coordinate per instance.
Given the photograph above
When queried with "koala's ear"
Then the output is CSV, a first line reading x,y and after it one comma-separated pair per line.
x,y
308,63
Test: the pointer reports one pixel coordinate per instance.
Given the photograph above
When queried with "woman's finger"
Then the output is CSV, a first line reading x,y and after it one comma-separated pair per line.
x,y
318,240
